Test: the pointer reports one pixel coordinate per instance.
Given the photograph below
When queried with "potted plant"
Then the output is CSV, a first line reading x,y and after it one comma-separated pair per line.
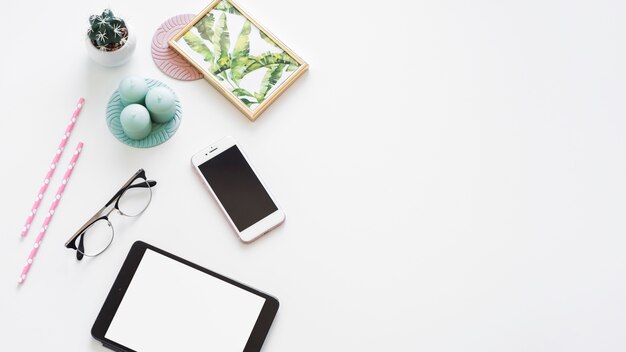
x,y
109,41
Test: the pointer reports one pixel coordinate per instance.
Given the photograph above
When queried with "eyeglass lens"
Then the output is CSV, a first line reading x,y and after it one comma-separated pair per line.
x,y
136,198
96,238
99,235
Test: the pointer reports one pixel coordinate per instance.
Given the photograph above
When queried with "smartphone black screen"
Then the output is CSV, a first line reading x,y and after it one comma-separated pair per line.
x,y
238,188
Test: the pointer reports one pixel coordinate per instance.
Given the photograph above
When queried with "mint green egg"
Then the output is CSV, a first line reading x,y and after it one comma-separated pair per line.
x,y
133,90
161,103
135,121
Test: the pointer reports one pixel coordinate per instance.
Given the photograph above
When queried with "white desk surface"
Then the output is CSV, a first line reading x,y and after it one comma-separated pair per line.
x,y
453,173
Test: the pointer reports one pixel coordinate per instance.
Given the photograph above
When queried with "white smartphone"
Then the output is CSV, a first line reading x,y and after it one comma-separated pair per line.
x,y
239,191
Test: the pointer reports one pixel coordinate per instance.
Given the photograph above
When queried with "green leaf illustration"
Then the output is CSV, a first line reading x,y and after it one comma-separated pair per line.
x,y
267,59
221,42
242,47
227,7
197,45
247,102
213,43
240,92
268,39
240,54
237,67
205,27
272,76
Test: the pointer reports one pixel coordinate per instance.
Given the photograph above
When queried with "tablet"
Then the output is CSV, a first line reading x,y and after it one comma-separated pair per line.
x,y
160,302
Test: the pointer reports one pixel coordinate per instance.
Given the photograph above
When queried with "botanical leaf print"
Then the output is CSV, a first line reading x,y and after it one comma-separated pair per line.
x,y
269,59
198,46
242,47
238,67
247,102
250,52
227,7
240,92
205,27
240,58
269,80
221,42
268,39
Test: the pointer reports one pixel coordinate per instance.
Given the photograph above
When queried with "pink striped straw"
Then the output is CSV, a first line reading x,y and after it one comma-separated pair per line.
x,y
53,206
53,166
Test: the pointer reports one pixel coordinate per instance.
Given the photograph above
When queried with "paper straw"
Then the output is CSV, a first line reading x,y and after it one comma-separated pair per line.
x,y
53,206
52,167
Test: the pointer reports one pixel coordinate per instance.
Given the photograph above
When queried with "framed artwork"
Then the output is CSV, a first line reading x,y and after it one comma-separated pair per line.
x,y
238,56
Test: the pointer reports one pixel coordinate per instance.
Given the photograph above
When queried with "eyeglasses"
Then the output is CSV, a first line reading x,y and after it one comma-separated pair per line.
x,y
96,235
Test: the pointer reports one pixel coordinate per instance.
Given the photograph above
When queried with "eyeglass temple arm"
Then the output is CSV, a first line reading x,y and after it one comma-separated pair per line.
x,y
139,173
80,249
127,185
151,183
79,255
85,225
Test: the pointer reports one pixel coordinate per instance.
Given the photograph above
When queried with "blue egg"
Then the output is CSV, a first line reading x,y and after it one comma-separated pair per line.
x,y
133,90
135,120
161,103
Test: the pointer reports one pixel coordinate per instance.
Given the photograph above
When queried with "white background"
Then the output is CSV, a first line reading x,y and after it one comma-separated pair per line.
x,y
453,174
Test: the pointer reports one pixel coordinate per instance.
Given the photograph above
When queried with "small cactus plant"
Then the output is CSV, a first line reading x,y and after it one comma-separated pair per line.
x,y
107,32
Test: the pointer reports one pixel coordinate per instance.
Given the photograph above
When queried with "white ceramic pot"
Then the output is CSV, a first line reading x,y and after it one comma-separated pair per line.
x,y
113,58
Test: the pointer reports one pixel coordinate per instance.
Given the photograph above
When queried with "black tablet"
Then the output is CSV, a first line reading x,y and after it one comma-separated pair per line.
x,y
160,302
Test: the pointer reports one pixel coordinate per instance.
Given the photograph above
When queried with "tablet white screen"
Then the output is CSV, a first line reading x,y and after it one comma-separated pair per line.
x,y
170,306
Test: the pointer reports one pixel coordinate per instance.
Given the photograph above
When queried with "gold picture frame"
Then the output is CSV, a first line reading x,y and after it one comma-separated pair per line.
x,y
206,43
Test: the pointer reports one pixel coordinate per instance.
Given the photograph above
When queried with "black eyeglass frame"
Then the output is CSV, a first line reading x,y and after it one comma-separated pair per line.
x,y
103,214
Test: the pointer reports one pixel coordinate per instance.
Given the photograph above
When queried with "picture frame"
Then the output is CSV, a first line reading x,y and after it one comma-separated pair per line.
x,y
241,58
